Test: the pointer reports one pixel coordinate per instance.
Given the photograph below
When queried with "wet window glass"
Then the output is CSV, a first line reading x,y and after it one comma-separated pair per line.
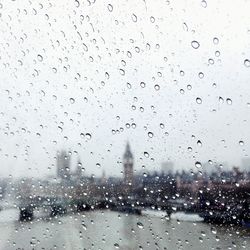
x,y
124,124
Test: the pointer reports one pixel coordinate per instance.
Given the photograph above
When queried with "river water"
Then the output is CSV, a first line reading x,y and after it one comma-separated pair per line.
x,y
113,230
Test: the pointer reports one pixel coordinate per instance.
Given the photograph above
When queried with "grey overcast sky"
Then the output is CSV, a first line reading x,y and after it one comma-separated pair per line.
x,y
117,70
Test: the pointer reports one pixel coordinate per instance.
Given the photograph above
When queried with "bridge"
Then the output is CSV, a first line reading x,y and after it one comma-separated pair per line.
x,y
57,206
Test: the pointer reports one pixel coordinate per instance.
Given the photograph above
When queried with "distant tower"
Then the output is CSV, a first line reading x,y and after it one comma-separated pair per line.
x,y
103,179
63,165
128,162
79,169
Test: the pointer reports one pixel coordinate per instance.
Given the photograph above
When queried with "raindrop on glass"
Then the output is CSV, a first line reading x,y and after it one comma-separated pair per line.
x,y
198,164
215,40
134,18
72,100
140,225
157,87
204,4
247,63
195,44
110,7
143,84
150,134
229,101
198,100
39,58
201,75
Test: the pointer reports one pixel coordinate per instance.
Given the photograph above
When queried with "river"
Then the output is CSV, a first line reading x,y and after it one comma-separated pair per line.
x,y
113,230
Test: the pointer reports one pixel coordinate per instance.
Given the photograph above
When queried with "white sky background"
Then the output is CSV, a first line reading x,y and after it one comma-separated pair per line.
x,y
84,46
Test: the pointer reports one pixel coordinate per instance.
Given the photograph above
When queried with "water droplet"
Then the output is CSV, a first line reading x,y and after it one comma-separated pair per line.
x,y
122,72
185,27
182,91
221,100
211,61
217,53
146,154
204,4
203,233
198,164
134,18
152,19
241,143
229,101
88,136
143,84
150,134
110,7
72,100
215,40
140,225
195,44
201,75
116,245
198,100
157,87
133,125
39,58
162,125
247,63
199,143
77,4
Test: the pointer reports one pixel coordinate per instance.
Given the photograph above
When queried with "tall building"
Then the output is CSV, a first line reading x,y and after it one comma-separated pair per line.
x,y
167,167
79,169
128,162
63,165
245,164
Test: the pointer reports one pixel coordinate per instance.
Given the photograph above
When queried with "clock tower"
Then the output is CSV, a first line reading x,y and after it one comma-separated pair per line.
x,y
128,162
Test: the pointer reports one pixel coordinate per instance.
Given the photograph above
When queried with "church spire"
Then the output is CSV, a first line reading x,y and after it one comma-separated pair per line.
x,y
128,161
128,153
